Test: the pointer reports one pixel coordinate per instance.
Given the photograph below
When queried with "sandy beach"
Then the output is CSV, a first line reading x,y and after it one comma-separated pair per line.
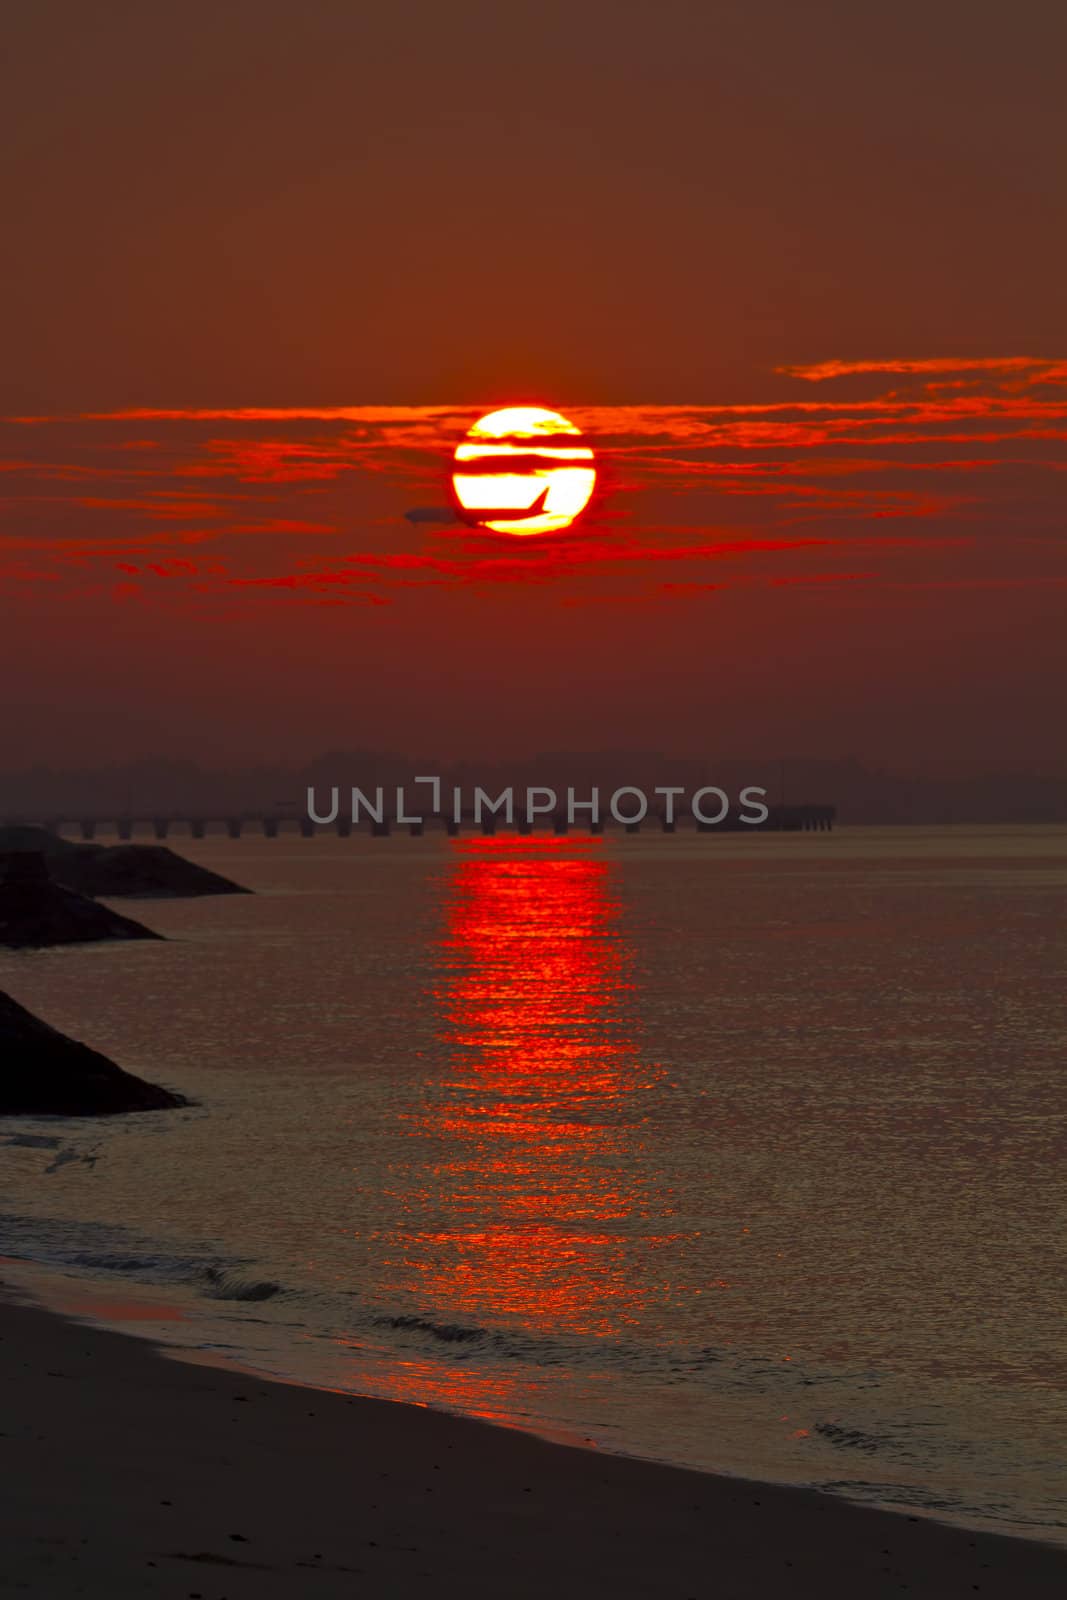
x,y
129,1473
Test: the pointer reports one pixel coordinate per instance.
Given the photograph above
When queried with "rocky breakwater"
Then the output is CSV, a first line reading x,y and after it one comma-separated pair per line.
x,y
44,1073
36,912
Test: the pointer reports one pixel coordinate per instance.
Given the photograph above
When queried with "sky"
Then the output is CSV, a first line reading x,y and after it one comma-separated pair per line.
x,y
795,271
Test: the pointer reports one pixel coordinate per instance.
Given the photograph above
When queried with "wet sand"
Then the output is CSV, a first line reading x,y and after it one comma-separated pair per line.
x,y
129,1473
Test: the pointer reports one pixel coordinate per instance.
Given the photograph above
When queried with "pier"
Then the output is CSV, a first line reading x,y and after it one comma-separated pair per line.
x,y
272,824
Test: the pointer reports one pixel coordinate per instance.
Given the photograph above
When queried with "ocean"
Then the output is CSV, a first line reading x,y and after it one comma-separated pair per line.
x,y
744,1153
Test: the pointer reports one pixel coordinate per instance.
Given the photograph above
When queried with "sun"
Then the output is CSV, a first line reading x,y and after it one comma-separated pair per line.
x,y
522,470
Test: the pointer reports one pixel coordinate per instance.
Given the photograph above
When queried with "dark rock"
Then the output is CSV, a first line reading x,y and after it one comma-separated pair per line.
x,y
28,836
119,870
35,912
148,870
43,1073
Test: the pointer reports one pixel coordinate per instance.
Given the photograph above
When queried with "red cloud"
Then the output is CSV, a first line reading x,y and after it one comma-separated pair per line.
x,y
764,468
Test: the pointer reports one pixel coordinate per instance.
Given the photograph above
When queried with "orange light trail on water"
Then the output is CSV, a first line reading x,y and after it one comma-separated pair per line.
x,y
533,1117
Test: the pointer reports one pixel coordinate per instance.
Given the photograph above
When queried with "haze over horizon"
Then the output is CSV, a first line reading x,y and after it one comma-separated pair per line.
x,y
863,793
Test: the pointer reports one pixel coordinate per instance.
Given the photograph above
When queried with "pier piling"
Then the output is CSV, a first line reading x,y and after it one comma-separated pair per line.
x,y
802,818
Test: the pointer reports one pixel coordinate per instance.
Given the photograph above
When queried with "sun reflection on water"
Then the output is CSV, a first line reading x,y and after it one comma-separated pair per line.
x,y
534,1115
521,1205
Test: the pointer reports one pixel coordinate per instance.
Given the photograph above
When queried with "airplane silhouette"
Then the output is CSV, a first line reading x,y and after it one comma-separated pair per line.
x,y
478,516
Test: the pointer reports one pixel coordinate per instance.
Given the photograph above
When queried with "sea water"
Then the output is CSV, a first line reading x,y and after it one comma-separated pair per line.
x,y
745,1153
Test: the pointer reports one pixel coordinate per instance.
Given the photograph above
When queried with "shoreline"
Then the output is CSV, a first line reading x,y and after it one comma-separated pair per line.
x,y
161,1315
134,1474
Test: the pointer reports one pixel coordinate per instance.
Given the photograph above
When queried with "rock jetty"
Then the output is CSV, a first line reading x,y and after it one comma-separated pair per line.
x,y
36,912
118,871
44,1073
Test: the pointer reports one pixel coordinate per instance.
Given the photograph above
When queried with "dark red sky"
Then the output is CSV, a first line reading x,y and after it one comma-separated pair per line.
x,y
684,225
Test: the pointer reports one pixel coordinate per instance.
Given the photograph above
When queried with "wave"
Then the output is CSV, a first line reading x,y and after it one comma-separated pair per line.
x,y
849,1438
227,1285
447,1332
105,1248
